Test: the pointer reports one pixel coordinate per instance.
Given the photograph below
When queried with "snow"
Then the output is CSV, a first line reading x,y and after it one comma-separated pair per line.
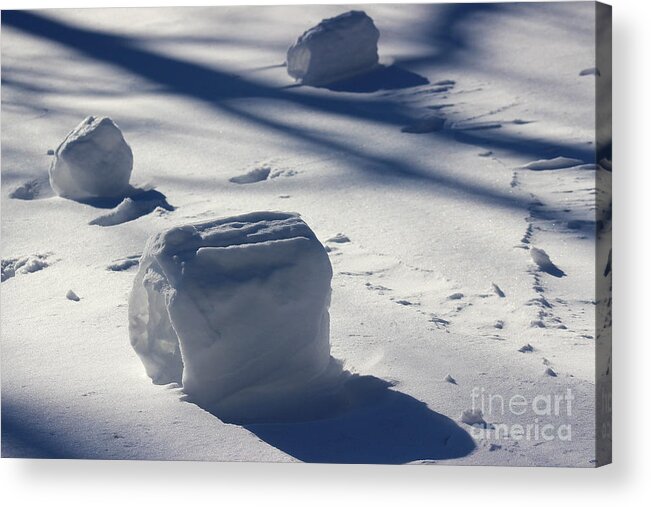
x,y
236,311
336,48
553,163
497,290
543,261
140,203
93,161
425,125
72,296
124,264
338,238
473,416
23,265
592,71
253,176
426,215
27,191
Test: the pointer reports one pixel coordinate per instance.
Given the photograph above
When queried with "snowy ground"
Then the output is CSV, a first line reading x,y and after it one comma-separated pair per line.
x,y
421,169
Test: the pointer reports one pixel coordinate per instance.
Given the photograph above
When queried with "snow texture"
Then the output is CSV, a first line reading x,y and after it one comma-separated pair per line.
x,y
335,49
236,310
93,161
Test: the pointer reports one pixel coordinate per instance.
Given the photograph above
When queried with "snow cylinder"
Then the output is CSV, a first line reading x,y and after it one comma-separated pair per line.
x,y
236,310
335,49
93,161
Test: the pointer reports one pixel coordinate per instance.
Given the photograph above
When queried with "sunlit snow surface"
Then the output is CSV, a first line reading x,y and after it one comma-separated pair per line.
x,y
421,165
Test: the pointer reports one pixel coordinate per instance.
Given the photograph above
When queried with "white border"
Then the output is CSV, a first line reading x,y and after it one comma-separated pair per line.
x,y
53,483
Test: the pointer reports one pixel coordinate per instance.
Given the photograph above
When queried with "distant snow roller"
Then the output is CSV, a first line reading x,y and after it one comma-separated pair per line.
x,y
93,161
236,310
335,49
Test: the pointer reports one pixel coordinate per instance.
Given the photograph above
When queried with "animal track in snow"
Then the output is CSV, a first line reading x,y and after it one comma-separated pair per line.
x,y
285,173
562,204
542,260
413,288
455,124
124,264
442,86
338,238
262,173
253,176
497,290
27,191
23,265
380,289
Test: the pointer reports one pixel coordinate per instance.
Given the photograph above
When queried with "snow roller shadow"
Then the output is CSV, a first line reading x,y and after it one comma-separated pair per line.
x,y
382,77
137,203
369,423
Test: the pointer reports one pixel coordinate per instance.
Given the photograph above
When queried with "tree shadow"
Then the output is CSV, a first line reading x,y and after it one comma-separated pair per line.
x,y
366,422
183,77
536,147
21,439
217,87
382,77
448,38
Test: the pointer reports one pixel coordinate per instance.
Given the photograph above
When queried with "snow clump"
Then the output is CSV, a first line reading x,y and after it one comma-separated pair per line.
x,y
335,49
72,296
553,163
236,311
473,416
93,161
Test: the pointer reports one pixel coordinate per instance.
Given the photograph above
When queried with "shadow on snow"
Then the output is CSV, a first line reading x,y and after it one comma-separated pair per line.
x,y
366,422
216,87
382,77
